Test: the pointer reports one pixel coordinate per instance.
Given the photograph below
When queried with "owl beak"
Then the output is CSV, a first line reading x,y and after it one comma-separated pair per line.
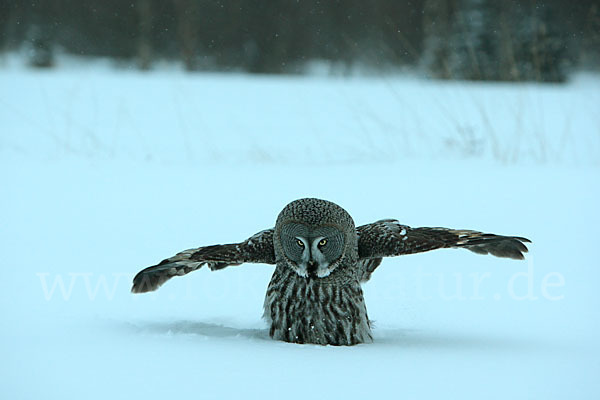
x,y
311,268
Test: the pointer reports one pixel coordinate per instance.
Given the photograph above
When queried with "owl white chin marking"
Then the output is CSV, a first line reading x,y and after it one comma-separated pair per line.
x,y
323,272
301,272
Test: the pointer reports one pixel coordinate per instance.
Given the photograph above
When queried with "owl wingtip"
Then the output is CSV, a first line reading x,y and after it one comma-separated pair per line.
x,y
138,288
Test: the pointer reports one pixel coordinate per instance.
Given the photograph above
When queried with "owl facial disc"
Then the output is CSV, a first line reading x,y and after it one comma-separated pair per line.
x,y
312,262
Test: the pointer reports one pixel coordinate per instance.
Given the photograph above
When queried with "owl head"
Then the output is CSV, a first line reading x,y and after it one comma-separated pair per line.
x,y
315,237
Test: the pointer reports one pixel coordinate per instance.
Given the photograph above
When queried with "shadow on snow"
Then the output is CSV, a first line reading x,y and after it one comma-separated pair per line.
x,y
406,338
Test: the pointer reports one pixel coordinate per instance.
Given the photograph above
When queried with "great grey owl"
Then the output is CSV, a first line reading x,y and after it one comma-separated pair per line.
x,y
320,261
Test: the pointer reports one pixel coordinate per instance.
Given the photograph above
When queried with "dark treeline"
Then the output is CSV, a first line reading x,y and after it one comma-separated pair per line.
x,y
451,39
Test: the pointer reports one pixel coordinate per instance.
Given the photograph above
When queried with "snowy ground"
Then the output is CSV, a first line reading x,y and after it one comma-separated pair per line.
x,y
103,173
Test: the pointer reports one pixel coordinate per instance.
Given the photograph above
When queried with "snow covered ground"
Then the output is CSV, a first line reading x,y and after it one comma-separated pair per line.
x,y
105,172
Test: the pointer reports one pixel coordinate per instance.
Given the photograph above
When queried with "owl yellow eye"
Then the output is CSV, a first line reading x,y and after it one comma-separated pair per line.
x,y
300,243
323,242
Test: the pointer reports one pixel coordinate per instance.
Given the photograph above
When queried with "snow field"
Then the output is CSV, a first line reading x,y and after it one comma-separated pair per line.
x,y
101,177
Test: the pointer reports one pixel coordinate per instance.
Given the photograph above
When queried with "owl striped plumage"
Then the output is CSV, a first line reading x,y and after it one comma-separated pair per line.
x,y
321,258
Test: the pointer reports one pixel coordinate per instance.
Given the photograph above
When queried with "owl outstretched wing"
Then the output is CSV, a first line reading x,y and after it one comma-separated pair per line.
x,y
256,249
389,238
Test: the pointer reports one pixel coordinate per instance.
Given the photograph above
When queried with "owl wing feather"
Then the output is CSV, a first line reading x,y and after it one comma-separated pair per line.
x,y
389,238
256,249
366,266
